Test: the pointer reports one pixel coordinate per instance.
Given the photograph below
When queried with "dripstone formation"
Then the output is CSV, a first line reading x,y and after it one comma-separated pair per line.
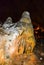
x,y
16,39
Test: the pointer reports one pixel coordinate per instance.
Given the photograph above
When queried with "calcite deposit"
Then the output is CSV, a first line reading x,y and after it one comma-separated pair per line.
x,y
16,39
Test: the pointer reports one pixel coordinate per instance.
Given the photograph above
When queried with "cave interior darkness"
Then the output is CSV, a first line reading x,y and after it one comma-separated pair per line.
x,y
15,9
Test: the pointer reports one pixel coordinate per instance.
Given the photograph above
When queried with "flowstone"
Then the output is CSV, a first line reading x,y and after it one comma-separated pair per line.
x,y
16,39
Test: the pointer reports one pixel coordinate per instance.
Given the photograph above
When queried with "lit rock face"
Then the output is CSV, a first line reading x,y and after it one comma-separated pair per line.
x,y
16,38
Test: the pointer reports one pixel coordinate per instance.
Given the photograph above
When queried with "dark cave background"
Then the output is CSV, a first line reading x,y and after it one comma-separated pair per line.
x,y
15,8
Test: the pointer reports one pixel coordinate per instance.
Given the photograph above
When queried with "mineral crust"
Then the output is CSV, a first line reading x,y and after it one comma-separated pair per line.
x,y
16,39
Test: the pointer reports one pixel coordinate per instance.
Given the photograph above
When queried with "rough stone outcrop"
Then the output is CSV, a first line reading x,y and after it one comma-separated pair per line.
x,y
16,38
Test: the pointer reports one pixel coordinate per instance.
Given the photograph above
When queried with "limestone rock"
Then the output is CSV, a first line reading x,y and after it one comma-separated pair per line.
x,y
18,38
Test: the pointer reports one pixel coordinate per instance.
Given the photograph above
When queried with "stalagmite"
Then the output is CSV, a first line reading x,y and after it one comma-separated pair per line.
x,y
16,38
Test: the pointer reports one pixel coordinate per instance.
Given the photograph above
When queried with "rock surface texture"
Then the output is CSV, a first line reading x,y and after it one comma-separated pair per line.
x,y
17,41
